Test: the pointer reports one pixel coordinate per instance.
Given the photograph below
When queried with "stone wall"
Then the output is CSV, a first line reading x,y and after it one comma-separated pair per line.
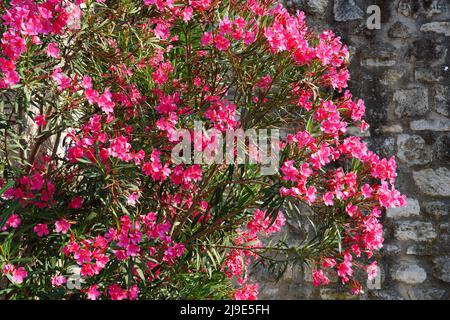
x,y
402,72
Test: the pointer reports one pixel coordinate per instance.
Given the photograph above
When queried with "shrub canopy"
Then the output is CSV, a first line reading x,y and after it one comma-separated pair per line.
x,y
93,204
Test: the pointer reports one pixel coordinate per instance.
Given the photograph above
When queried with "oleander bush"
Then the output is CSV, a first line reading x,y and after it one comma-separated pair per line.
x,y
94,94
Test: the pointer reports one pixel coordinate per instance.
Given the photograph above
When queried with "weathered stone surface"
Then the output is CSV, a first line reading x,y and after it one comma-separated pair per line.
x,y
432,124
408,273
377,62
426,50
437,27
421,249
347,10
384,295
442,99
398,30
392,76
415,230
380,55
297,291
316,6
411,209
383,147
418,293
269,292
395,128
408,7
441,148
441,269
437,209
435,7
333,294
433,182
391,249
428,75
411,102
292,274
413,150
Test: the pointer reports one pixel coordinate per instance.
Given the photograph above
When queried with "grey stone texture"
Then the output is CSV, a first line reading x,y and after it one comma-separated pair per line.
x,y
402,71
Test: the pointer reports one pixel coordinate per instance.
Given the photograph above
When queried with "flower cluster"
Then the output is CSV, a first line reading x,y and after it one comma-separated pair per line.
x,y
30,22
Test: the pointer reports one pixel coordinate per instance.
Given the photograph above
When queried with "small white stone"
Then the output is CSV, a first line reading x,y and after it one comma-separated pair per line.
x,y
395,128
437,27
378,63
391,249
409,273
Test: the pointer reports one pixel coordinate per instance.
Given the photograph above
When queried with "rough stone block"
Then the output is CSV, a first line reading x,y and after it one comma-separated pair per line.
x,y
437,27
442,99
437,209
395,128
408,273
418,293
421,250
433,182
415,230
391,249
411,102
411,209
432,124
441,269
441,148
347,10
428,74
413,150
316,6
398,30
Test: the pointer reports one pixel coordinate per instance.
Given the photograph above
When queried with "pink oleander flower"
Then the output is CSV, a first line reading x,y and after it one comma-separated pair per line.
x,y
265,82
19,275
328,263
356,289
117,293
290,173
328,199
187,14
319,278
248,292
41,230
40,120
62,226
133,198
93,293
76,203
207,39
133,292
53,50
58,280
372,270
221,42
8,268
13,221
62,80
